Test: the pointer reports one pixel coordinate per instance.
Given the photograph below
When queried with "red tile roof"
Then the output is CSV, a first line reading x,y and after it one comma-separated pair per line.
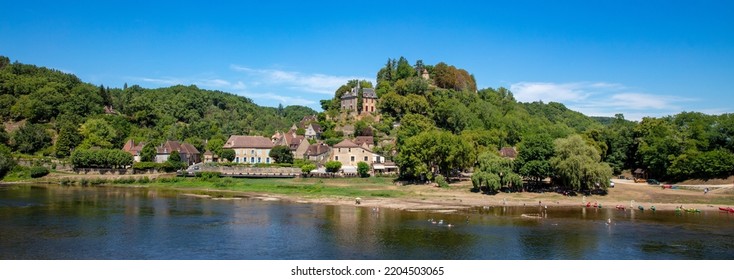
x,y
346,144
243,141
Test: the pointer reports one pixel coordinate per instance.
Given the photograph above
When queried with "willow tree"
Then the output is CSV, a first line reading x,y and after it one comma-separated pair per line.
x,y
578,165
495,172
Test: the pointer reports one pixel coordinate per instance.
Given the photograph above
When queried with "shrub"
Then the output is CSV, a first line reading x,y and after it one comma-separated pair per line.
x,y
38,171
206,175
143,180
145,165
105,158
441,181
333,166
363,169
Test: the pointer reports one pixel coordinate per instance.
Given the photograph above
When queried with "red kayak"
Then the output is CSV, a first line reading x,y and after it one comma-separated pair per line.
x,y
727,209
620,207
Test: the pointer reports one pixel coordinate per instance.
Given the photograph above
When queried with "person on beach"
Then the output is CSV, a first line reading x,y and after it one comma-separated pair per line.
x,y
706,190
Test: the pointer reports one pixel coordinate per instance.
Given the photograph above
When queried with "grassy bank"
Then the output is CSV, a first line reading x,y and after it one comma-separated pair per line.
x,y
300,187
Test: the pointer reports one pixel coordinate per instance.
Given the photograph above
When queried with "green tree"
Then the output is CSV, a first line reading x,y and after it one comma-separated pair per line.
x,y
363,169
281,154
434,152
578,165
307,168
228,154
31,138
175,156
215,145
98,133
6,161
404,70
333,166
495,172
148,153
533,160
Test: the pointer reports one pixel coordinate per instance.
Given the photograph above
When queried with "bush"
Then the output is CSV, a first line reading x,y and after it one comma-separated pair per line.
x,y
145,165
441,181
333,166
363,169
105,158
38,171
206,175
143,180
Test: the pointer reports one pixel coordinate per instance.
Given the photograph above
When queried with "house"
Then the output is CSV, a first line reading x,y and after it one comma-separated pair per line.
x,y
133,149
210,157
385,167
369,100
305,121
349,100
366,142
318,152
250,149
313,131
508,152
349,154
189,154
296,143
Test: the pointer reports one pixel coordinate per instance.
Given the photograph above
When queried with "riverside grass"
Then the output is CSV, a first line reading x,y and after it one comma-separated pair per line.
x,y
306,187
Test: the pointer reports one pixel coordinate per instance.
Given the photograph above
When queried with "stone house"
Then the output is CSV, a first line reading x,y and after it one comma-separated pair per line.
x,y
134,149
349,154
313,131
189,154
250,149
318,152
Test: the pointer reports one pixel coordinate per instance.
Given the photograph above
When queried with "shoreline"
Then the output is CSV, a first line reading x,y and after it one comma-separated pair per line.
x,y
458,197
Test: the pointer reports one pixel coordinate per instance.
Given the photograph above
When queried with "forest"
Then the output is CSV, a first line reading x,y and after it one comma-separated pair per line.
x,y
432,126
49,113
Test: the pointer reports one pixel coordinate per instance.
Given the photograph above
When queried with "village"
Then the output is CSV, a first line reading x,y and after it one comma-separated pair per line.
x,y
252,152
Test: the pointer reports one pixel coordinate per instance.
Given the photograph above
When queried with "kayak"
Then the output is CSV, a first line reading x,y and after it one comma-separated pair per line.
x,y
692,210
620,207
727,209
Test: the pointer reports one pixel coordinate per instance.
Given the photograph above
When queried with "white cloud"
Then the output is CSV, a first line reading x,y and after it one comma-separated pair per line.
x,y
316,83
285,100
600,98
163,81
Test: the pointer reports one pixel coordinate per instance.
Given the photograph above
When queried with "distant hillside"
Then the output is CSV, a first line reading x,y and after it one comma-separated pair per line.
x,y
102,116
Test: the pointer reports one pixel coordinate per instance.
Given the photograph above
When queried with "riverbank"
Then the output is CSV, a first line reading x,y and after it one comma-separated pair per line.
x,y
384,193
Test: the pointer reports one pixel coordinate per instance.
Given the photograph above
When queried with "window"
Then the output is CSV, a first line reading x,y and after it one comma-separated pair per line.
x,y
258,160
252,160
237,159
365,158
252,152
336,158
351,159
349,150
267,160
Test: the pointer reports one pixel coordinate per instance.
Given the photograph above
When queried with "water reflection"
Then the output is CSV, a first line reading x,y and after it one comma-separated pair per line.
x,y
139,223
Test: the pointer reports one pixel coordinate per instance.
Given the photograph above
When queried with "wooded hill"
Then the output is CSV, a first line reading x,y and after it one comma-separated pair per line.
x,y
51,113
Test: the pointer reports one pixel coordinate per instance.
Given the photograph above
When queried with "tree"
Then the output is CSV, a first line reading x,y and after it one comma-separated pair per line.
x,y
363,169
404,70
333,166
98,133
434,152
281,154
6,161
228,154
3,136
533,160
307,168
175,156
578,165
215,145
495,172
31,138
148,153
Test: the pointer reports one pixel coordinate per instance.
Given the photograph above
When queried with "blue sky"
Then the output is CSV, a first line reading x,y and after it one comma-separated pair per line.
x,y
638,58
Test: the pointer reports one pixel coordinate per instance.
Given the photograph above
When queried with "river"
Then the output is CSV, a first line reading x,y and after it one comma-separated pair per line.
x,y
59,222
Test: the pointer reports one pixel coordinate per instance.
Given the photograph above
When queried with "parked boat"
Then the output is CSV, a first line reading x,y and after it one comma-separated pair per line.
x,y
727,209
